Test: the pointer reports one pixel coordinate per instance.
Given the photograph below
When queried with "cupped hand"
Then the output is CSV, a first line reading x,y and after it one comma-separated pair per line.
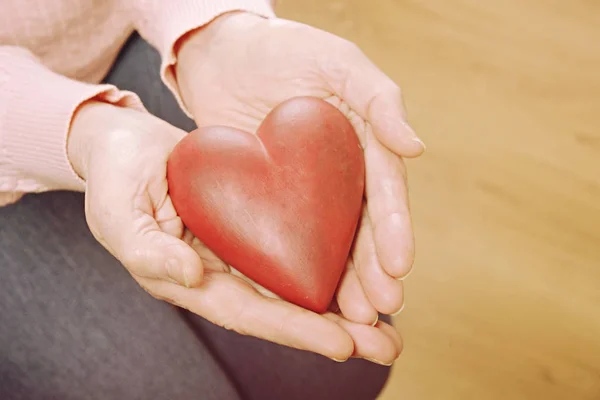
x,y
239,67
122,155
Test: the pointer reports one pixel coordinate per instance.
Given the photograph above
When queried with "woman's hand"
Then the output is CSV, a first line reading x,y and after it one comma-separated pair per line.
x,y
235,70
122,154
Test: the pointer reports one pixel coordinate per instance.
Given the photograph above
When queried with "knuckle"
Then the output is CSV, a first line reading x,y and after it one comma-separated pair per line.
x,y
160,297
156,295
96,228
394,90
384,93
153,294
349,48
131,258
235,321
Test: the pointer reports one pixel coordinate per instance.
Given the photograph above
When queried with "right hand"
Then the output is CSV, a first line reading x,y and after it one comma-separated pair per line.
x,y
122,155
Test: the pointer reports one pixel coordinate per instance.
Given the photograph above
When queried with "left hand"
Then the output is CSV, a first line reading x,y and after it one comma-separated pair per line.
x,y
235,70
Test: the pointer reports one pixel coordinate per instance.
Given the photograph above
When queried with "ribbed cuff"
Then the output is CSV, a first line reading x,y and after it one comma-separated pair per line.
x,y
37,106
164,22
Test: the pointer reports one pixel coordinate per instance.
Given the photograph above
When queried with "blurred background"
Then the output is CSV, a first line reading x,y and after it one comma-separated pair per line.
x,y
504,302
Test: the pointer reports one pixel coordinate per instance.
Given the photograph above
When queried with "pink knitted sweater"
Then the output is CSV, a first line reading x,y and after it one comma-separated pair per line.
x,y
53,53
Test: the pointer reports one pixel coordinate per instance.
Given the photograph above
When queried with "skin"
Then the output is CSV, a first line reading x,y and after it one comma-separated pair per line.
x,y
251,65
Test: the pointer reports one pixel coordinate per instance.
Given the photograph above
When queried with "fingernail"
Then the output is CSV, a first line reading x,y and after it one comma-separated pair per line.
x,y
413,134
420,143
337,360
403,277
376,320
399,311
186,278
174,271
379,362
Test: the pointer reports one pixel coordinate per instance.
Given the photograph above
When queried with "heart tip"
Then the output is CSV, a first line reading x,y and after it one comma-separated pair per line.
x,y
319,306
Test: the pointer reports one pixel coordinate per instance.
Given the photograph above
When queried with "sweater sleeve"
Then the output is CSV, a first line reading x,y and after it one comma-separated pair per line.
x,y
36,108
163,22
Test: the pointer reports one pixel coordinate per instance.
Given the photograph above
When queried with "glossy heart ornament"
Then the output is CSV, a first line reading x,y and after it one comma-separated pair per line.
x,y
281,206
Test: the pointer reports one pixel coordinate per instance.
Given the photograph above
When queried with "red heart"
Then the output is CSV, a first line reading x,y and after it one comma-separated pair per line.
x,y
281,207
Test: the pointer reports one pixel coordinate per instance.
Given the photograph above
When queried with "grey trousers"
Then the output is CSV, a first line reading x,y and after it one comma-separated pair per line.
x,y
74,325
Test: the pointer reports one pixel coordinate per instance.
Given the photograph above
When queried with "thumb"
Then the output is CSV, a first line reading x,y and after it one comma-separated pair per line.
x,y
374,97
132,234
158,255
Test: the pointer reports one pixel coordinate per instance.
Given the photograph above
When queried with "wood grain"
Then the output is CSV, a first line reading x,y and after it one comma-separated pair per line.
x,y
504,302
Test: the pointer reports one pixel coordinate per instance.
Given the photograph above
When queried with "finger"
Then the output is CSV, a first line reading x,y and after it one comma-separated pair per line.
x,y
387,203
133,236
229,302
209,259
370,342
374,96
157,255
393,334
352,301
383,291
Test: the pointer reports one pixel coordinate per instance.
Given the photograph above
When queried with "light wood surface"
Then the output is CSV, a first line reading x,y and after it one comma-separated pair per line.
x,y
504,302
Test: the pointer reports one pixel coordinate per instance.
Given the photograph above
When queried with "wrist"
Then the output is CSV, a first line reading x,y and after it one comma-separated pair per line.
x,y
88,122
224,25
194,48
103,134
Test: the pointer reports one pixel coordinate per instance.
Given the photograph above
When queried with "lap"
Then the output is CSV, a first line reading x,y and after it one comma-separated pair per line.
x,y
268,371
74,325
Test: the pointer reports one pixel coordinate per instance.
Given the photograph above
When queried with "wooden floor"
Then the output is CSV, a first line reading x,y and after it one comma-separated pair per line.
x,y
505,299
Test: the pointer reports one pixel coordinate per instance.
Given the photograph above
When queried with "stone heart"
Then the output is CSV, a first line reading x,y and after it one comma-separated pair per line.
x,y
282,206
